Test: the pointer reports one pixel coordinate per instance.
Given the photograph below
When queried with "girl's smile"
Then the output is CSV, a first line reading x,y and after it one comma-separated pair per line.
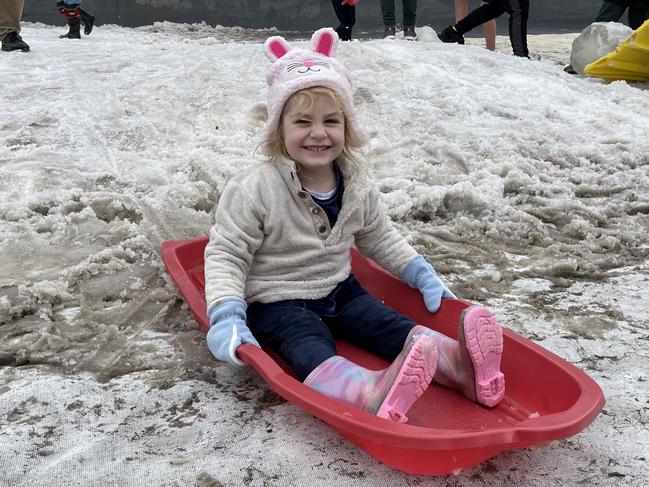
x,y
314,136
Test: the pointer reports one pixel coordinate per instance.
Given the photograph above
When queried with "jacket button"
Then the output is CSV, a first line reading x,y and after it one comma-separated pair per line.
x,y
322,229
301,194
315,211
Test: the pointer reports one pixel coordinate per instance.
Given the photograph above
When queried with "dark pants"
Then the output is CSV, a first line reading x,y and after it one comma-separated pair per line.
x,y
409,12
518,11
346,13
612,12
302,331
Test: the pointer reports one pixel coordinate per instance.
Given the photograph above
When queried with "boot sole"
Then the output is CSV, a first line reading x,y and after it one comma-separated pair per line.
x,y
23,49
481,336
411,382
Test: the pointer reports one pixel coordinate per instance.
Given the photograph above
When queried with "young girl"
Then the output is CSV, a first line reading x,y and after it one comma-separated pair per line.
x,y
279,256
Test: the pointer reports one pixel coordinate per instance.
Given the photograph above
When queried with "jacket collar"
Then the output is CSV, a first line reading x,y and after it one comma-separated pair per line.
x,y
357,184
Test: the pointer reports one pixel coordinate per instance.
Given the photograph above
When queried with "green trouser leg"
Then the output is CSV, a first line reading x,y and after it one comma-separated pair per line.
x,y
409,12
610,12
637,16
387,11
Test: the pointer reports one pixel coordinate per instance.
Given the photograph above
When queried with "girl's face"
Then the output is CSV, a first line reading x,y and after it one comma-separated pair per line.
x,y
314,136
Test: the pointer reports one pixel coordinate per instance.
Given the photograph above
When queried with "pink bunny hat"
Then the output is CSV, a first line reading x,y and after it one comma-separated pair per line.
x,y
297,69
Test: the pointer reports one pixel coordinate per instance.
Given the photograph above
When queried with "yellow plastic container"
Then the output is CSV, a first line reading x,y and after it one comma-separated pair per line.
x,y
629,62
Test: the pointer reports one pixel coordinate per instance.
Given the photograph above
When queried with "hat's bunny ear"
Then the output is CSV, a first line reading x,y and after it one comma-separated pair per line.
x,y
324,41
275,47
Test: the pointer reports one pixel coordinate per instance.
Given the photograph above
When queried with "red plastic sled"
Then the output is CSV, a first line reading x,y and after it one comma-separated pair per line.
x,y
546,397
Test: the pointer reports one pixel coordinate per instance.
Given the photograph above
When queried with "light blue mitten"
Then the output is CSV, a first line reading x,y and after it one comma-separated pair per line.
x,y
228,330
419,274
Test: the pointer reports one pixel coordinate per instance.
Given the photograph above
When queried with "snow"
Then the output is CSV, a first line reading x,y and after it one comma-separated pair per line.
x,y
596,41
528,189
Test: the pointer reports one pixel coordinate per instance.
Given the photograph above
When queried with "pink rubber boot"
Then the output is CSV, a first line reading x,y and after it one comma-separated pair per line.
x,y
388,393
471,364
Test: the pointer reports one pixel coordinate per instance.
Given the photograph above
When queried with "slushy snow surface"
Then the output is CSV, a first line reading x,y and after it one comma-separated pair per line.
x,y
526,187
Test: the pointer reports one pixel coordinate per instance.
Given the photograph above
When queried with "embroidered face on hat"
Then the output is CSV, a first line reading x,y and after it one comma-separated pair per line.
x,y
294,69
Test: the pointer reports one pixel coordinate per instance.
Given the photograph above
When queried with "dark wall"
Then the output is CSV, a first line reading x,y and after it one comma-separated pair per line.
x,y
301,15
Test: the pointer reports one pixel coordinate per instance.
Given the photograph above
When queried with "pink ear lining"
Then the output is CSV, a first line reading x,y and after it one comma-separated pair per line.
x,y
277,49
325,44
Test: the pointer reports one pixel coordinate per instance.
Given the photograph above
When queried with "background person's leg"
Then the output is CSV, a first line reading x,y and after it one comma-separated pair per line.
x,y
71,10
346,17
87,20
609,12
480,15
638,16
389,21
518,11
11,12
409,13
387,12
489,29
461,8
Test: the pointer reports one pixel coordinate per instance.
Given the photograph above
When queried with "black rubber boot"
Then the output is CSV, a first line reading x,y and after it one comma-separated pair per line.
x,y
344,32
88,22
73,33
13,42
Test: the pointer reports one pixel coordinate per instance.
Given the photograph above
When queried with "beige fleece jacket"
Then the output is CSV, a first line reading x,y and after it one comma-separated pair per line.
x,y
272,242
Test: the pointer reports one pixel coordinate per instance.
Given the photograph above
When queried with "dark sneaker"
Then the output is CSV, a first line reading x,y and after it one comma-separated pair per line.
x,y
89,21
344,32
451,35
409,33
13,42
390,32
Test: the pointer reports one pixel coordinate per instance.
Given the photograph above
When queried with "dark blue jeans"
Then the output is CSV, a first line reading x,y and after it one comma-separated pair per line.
x,y
302,331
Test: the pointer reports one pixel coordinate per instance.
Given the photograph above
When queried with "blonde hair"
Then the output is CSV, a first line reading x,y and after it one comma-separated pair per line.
x,y
275,146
